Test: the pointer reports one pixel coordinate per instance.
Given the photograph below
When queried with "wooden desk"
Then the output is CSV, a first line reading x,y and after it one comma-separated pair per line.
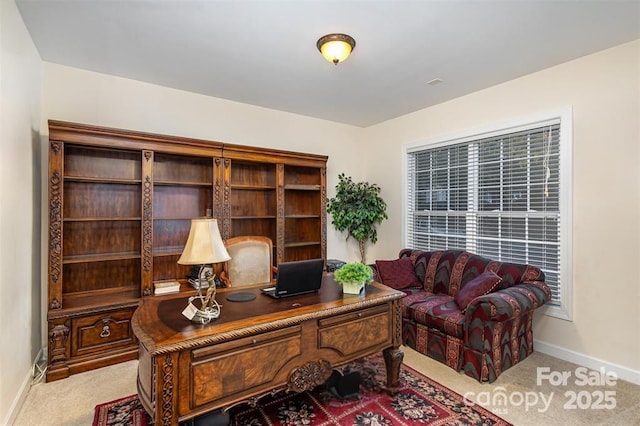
x,y
257,347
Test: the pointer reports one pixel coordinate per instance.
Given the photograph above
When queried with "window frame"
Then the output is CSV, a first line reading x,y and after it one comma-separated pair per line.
x,y
564,310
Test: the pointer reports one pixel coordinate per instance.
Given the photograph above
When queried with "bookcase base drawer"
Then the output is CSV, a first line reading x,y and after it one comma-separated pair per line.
x,y
101,332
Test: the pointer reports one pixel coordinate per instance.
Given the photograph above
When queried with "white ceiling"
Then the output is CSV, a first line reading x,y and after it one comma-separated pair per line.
x,y
264,52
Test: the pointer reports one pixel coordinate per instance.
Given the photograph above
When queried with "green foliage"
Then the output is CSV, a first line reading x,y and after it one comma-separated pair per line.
x,y
353,273
357,208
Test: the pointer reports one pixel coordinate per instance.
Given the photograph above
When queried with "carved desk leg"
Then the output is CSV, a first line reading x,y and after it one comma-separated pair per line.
x,y
393,360
393,356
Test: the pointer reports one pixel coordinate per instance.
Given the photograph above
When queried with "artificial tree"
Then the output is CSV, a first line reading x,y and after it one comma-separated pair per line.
x,y
357,208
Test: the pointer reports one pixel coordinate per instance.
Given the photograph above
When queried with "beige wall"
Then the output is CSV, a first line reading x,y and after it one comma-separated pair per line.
x,y
19,215
604,91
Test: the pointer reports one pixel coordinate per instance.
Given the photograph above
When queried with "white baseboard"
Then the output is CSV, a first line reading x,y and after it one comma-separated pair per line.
x,y
623,373
16,405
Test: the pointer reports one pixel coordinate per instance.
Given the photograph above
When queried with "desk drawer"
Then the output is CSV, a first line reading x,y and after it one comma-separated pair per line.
x,y
237,367
357,331
101,332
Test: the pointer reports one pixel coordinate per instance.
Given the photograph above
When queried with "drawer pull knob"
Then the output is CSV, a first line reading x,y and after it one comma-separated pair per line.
x,y
254,341
359,314
106,332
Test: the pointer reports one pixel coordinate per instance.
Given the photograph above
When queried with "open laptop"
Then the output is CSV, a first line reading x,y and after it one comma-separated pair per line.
x,y
299,277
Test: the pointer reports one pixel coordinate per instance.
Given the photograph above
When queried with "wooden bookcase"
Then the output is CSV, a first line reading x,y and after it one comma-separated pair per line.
x,y
304,201
120,207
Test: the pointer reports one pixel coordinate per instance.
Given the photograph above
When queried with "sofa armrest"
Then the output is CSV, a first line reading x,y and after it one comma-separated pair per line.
x,y
508,303
497,329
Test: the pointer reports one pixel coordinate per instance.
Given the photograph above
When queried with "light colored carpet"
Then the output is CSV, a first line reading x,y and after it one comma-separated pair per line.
x,y
520,382
72,401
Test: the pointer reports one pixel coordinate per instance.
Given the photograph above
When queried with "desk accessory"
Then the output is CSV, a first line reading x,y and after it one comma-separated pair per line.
x,y
204,246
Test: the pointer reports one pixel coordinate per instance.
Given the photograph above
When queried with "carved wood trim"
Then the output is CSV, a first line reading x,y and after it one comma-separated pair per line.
x,y
280,223
397,323
56,146
154,386
55,226
309,375
55,304
226,203
218,182
167,390
58,344
147,223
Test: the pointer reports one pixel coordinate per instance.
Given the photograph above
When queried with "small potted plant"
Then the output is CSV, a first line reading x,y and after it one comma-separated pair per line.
x,y
353,276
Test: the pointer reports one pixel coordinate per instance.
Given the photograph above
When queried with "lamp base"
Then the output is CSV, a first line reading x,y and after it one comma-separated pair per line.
x,y
206,314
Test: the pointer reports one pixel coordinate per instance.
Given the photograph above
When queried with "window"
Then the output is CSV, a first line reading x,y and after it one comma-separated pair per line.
x,y
503,194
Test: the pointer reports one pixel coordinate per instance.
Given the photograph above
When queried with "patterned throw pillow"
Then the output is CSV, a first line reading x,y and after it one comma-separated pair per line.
x,y
398,273
480,285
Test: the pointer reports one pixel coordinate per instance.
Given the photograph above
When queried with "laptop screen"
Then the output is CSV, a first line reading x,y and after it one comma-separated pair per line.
x,y
297,277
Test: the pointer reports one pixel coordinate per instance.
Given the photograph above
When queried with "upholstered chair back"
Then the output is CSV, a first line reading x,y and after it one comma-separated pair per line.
x,y
251,261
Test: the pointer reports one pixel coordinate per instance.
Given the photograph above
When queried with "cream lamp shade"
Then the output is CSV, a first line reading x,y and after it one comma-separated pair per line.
x,y
204,244
336,47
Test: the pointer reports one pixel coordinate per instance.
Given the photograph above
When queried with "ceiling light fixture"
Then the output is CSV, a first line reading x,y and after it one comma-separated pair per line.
x,y
336,47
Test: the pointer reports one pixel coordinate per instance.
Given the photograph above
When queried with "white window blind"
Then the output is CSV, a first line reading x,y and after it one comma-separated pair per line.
x,y
497,196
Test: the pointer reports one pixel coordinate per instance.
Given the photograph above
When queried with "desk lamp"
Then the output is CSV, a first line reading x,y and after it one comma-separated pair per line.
x,y
204,247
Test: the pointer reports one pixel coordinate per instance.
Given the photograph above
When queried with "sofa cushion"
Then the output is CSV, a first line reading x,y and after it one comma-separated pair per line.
x,y
482,284
449,264
398,273
436,311
420,261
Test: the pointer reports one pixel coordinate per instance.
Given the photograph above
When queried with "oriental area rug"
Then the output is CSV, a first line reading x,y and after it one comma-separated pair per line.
x,y
419,401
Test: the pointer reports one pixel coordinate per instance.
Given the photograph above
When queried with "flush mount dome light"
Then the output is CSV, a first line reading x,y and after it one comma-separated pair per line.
x,y
336,47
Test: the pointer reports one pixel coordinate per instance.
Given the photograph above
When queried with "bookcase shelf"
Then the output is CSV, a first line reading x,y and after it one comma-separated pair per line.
x,y
177,183
102,219
168,251
302,244
89,258
252,187
252,217
302,187
102,180
120,207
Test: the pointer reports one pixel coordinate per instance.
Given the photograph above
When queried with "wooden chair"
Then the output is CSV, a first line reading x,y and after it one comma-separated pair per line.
x,y
251,261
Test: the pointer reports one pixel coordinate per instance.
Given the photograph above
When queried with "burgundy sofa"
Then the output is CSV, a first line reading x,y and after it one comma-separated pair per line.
x,y
469,312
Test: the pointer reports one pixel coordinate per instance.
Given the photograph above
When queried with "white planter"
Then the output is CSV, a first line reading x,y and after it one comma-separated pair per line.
x,y
352,288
